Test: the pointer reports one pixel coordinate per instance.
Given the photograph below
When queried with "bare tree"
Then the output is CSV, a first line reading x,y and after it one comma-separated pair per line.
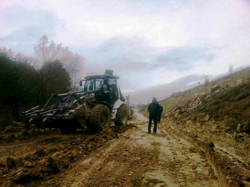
x,y
9,53
49,51
19,57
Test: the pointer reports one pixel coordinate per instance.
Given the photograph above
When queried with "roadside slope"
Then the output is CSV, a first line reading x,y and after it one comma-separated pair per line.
x,y
216,117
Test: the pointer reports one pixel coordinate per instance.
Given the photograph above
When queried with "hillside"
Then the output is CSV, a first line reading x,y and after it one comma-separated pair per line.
x,y
216,118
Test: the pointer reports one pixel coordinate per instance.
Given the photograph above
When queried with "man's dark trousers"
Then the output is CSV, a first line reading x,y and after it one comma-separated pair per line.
x,y
155,119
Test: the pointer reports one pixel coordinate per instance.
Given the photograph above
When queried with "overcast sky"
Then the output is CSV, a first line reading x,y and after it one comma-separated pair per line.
x,y
146,42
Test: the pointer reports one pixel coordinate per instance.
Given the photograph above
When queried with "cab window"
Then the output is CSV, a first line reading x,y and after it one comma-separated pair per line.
x,y
93,84
113,88
89,85
98,84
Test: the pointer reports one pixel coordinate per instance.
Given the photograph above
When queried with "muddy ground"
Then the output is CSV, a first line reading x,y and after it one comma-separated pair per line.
x,y
203,140
216,119
118,156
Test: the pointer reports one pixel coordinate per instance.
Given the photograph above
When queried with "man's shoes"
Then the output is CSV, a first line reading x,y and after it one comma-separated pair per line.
x,y
149,132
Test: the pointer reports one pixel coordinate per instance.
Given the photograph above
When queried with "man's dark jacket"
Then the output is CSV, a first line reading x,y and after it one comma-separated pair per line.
x,y
161,109
154,109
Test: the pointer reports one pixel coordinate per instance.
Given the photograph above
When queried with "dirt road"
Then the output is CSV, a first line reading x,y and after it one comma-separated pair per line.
x,y
140,159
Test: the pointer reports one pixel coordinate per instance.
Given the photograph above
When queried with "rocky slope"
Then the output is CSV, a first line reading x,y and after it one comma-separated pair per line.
x,y
216,118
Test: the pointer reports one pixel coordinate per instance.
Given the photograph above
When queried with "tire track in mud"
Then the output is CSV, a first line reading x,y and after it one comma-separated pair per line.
x,y
189,167
179,164
91,165
140,159
121,162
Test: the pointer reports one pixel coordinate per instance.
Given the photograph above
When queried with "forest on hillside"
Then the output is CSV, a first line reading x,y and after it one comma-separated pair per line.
x,y
27,81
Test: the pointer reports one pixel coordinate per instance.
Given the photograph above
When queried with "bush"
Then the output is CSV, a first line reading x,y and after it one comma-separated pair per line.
x,y
5,120
22,86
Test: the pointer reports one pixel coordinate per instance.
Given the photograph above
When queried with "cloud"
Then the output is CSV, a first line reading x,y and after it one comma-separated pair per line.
x,y
28,27
140,65
172,23
146,43
183,58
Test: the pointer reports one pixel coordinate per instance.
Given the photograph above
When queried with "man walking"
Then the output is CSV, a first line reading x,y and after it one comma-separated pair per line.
x,y
153,110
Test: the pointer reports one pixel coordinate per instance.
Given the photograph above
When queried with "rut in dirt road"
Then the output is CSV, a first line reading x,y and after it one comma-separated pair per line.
x,y
140,159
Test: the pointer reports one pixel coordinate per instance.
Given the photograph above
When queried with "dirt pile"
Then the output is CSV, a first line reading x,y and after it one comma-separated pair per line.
x,y
42,155
135,166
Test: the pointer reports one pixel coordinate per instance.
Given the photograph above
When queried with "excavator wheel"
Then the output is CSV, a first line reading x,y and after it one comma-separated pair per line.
x,y
100,118
121,116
